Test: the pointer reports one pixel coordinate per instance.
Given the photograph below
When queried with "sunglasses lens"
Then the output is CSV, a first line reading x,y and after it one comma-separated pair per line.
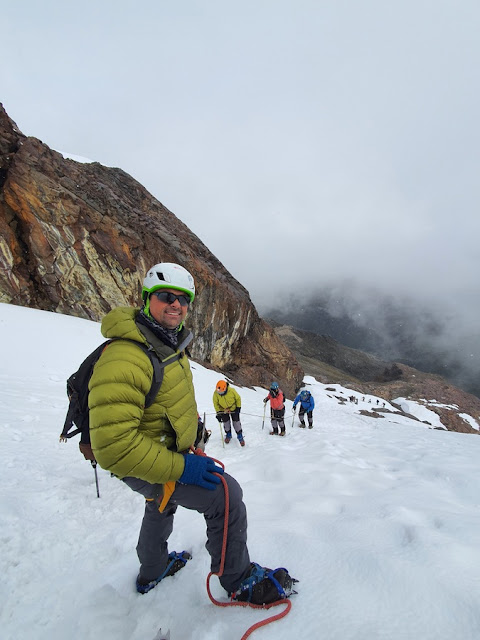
x,y
169,298
184,301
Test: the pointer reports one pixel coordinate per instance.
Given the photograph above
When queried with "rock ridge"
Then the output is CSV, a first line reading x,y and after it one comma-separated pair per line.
x,y
77,238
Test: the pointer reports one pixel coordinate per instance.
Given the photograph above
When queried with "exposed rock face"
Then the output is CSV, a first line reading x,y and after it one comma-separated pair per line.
x,y
78,239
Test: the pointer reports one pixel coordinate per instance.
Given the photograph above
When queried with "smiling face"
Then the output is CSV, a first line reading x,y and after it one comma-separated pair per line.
x,y
169,315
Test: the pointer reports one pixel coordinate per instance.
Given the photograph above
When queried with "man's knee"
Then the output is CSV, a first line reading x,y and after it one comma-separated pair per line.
x,y
235,492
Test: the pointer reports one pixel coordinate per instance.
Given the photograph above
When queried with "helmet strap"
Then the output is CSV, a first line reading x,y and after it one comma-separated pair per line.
x,y
146,307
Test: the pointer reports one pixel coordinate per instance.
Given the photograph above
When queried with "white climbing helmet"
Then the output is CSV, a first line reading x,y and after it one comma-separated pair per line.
x,y
167,275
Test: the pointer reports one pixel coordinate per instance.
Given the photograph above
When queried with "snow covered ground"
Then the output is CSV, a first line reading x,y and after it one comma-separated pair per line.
x,y
72,156
379,519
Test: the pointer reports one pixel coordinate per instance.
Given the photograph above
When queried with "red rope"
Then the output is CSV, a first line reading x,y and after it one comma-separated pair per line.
x,y
235,603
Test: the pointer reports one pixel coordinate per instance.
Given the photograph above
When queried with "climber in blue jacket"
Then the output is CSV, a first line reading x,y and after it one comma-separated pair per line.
x,y
307,405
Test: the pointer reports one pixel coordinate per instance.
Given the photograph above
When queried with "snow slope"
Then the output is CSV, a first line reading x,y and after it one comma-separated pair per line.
x,y
379,519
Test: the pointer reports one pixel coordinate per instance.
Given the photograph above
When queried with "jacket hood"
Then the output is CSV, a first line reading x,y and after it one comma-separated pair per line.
x,y
120,323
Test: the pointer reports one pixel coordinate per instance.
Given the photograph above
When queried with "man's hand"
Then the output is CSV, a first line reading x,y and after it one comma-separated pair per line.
x,y
219,417
200,470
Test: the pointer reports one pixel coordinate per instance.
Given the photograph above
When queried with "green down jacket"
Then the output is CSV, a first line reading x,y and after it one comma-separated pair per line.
x,y
126,438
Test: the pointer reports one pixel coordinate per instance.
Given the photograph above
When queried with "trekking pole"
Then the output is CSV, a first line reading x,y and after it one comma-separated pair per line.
x,y
94,465
264,410
220,424
293,417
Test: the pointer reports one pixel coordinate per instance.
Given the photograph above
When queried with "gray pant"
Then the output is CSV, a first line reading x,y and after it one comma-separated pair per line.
x,y
276,417
301,415
152,548
226,417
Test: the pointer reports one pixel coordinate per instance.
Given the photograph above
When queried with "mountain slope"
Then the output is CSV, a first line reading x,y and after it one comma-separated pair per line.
x,y
419,333
331,362
377,518
325,357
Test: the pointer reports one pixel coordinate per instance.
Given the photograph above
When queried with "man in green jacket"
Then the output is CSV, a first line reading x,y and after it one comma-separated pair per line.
x,y
148,448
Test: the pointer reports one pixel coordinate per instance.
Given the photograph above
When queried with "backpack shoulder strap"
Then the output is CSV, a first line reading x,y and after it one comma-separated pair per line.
x,y
158,367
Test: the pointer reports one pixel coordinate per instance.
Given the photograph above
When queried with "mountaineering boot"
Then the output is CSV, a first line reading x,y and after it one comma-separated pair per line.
x,y
228,437
176,561
264,586
241,440
302,425
282,432
310,426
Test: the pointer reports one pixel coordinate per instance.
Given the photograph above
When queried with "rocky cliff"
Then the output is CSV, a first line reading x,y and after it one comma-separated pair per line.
x,y
78,238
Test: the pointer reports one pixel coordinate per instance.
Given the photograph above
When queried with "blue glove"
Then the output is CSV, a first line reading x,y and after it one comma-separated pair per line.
x,y
200,470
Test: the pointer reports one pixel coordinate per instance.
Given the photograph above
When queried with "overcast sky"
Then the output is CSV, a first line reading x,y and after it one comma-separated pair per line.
x,y
304,141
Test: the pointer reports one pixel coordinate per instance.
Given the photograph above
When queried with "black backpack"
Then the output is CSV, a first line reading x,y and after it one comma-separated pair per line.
x,y
77,420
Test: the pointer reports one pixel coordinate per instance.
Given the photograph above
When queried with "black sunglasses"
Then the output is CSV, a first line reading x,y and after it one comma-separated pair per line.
x,y
169,298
